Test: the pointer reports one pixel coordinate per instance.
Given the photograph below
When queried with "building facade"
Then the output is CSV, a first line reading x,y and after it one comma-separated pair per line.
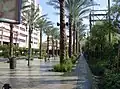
x,y
20,36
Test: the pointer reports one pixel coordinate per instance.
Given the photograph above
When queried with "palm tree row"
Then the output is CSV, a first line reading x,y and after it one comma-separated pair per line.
x,y
30,15
75,11
32,19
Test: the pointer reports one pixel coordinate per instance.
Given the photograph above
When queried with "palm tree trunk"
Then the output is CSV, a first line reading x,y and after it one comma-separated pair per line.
x,y
74,32
62,31
47,46
76,41
70,36
52,47
12,60
56,48
29,46
79,47
40,49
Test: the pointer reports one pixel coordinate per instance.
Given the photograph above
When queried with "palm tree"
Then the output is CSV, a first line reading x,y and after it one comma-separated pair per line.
x,y
81,28
61,5
48,31
75,8
62,31
78,14
70,6
12,60
57,38
53,34
30,16
42,24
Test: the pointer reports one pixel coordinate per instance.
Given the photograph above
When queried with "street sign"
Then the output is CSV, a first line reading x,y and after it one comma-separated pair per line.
x,y
10,11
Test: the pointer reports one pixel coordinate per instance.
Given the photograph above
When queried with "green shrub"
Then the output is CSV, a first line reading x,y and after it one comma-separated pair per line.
x,y
111,81
40,57
97,69
73,59
65,67
5,51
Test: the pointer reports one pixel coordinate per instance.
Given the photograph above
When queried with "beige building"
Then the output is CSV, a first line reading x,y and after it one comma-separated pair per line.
x,y
20,35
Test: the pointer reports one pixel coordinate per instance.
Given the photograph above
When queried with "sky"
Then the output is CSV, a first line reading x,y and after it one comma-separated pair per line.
x,y
47,9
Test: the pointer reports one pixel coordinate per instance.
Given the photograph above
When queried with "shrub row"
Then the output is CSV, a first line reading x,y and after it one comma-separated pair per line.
x,y
66,66
17,51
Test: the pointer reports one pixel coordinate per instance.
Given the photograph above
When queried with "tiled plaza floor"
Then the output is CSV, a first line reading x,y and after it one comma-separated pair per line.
x,y
38,75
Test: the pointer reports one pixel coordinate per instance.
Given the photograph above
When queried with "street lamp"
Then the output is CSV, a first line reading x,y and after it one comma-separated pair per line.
x,y
58,24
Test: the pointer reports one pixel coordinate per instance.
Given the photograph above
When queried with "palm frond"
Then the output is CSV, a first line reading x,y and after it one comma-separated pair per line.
x,y
54,3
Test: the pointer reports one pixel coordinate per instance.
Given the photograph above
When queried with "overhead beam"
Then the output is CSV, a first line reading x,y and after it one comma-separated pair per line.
x,y
98,20
99,10
98,14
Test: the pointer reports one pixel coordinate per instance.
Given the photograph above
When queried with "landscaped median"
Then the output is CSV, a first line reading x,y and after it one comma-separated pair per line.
x,y
66,66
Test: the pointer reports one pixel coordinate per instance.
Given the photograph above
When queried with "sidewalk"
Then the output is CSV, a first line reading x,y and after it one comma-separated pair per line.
x,y
84,74
39,76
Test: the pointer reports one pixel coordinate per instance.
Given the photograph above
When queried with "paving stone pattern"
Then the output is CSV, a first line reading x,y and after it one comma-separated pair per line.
x,y
38,75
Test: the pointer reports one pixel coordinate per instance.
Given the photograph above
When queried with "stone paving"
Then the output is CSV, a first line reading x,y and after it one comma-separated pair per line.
x,y
38,75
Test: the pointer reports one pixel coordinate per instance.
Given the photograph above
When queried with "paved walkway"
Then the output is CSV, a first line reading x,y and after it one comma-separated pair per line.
x,y
84,74
39,76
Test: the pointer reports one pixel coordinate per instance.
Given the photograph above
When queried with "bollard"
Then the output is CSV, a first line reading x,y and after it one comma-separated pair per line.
x,y
6,86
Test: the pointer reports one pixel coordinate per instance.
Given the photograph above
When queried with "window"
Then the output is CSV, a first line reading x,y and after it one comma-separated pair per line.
x,y
6,37
35,34
22,29
23,35
35,38
21,40
35,42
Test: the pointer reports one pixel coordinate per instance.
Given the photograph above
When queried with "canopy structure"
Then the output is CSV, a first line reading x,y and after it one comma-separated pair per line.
x,y
97,15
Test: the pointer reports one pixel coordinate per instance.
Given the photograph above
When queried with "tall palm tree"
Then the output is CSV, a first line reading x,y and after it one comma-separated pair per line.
x,y
79,13
61,5
57,38
42,24
48,32
80,30
70,8
53,34
74,11
62,31
30,16
12,60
